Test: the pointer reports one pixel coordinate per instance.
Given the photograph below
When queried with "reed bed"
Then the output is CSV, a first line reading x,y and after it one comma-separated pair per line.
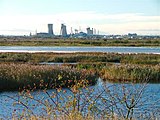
x,y
76,42
81,57
22,69
20,76
131,73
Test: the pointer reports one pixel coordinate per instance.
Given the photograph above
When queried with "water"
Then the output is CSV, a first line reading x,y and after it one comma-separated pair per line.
x,y
149,102
57,63
71,49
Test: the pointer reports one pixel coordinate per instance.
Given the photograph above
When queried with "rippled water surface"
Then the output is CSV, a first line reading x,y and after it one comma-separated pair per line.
x,y
154,50
151,98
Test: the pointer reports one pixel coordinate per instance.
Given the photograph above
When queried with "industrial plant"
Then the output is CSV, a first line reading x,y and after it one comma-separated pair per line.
x,y
91,33
63,33
49,34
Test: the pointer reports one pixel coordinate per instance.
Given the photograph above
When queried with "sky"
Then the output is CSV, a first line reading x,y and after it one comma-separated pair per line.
x,y
22,17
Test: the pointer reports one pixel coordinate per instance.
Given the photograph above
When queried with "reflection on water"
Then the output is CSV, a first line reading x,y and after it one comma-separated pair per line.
x,y
150,100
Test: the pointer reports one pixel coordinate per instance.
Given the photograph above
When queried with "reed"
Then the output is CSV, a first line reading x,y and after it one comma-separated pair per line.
x,y
20,76
81,57
131,73
76,42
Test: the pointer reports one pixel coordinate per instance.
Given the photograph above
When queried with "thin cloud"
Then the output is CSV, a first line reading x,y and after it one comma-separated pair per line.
x,y
153,30
16,30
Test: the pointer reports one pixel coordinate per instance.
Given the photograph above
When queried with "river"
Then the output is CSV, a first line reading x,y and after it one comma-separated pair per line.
x,y
71,49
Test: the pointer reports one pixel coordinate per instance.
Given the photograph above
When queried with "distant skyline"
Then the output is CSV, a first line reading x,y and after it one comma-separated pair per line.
x,y
20,17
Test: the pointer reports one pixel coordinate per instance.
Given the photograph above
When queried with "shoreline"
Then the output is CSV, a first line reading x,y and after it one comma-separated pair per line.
x,y
25,51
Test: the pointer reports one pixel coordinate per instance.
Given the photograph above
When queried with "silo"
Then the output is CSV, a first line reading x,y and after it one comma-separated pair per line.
x,y
50,29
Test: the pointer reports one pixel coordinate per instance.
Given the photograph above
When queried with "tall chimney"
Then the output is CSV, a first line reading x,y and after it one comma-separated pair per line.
x,y
50,29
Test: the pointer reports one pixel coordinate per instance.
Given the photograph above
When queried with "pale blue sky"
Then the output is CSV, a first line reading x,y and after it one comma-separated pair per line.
x,y
107,16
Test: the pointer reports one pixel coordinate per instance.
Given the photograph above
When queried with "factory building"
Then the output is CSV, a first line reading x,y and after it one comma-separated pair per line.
x,y
80,35
89,31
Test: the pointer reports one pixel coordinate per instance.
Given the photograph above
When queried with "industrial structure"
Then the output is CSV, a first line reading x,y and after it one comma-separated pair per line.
x,y
50,29
63,31
89,31
49,34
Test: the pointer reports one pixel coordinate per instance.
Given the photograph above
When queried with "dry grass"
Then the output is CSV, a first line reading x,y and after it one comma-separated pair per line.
x,y
20,76
131,73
